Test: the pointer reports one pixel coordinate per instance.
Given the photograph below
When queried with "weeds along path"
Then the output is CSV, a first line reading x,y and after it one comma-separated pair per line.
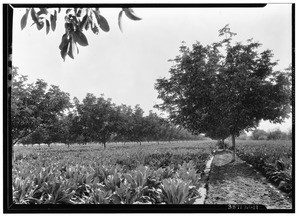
x,y
238,183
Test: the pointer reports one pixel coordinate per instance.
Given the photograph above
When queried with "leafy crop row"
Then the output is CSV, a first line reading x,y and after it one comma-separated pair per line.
x,y
273,159
88,175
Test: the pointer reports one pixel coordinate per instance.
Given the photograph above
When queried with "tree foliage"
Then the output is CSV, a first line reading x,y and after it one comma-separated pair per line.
x,y
42,114
34,105
224,86
100,120
276,134
97,118
258,134
76,21
220,133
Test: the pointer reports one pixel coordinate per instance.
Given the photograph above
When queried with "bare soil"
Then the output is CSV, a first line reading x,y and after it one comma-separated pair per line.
x,y
238,183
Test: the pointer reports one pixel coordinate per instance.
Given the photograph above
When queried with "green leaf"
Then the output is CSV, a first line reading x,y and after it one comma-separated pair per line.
x,y
88,24
42,11
139,178
53,19
56,187
129,178
24,19
68,10
102,22
64,41
47,26
95,30
65,50
83,22
120,20
72,49
39,24
78,13
115,199
65,199
34,200
80,38
130,14
132,198
96,180
89,177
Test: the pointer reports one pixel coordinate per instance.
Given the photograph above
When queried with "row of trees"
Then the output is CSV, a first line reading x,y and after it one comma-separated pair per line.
x,y
46,115
220,90
277,134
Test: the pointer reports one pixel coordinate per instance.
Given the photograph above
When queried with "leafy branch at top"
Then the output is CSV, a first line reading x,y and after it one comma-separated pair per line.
x,y
76,20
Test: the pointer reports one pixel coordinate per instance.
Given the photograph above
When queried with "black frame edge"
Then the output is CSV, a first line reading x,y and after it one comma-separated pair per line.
x,y
8,207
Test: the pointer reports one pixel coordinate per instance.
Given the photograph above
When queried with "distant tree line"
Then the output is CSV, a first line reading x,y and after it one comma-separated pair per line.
x,y
45,115
277,134
259,134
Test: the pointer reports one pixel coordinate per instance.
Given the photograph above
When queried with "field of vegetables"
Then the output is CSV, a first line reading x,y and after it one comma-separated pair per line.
x,y
168,173
122,174
272,158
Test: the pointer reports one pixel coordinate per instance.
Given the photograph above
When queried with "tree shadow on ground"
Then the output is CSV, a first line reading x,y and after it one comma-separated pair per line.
x,y
238,183
224,169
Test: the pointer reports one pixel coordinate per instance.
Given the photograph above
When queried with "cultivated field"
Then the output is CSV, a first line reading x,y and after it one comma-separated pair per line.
x,y
121,174
129,174
272,158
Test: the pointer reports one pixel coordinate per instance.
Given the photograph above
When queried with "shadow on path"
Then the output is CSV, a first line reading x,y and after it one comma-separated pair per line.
x,y
238,183
226,169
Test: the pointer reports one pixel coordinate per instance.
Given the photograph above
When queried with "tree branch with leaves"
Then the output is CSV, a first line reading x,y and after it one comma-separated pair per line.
x,y
76,21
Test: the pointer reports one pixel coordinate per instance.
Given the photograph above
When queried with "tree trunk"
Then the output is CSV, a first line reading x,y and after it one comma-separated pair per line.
x,y
104,144
224,147
233,145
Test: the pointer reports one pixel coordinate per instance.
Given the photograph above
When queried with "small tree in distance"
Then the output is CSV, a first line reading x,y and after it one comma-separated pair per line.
x,y
96,119
277,135
76,20
258,134
208,89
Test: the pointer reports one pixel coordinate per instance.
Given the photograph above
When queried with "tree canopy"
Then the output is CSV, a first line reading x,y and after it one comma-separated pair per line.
x,y
34,105
44,114
224,88
76,21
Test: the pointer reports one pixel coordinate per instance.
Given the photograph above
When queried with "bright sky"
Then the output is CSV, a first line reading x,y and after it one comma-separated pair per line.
x,y
125,66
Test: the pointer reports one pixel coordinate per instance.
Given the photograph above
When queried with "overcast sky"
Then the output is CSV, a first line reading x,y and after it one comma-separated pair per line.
x,y
125,66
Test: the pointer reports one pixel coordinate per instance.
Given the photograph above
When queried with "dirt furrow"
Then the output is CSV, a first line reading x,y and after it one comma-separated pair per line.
x,y
238,183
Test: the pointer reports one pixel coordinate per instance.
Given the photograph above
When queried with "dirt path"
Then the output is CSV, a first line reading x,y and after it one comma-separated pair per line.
x,y
238,183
